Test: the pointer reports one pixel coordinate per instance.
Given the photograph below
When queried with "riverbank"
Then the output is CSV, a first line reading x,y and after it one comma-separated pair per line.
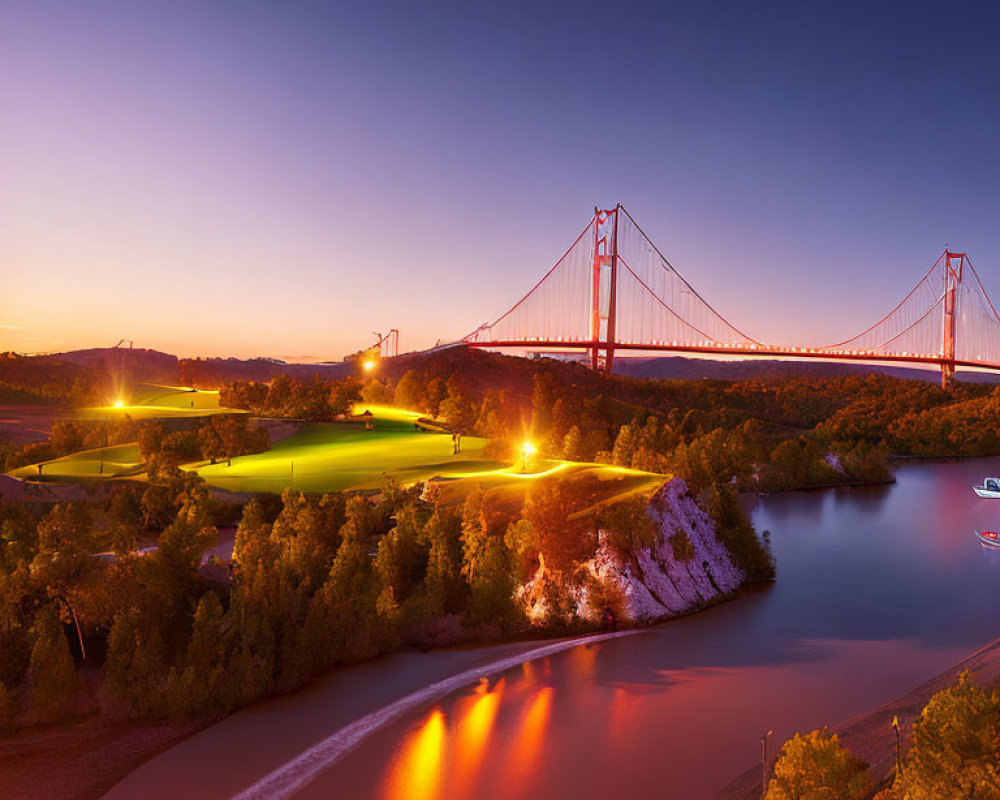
x,y
82,760
321,722
870,735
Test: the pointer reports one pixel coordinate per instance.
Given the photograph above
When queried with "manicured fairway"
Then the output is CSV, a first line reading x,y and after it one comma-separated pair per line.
x,y
335,456
150,401
102,462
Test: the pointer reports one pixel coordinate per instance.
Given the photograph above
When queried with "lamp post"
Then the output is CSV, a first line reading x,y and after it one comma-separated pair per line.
x,y
763,763
899,764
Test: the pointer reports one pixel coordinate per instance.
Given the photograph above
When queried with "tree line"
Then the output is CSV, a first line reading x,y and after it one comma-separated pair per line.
x,y
315,581
954,752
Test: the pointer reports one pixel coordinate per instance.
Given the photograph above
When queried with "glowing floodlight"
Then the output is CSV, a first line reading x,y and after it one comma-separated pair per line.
x,y
528,451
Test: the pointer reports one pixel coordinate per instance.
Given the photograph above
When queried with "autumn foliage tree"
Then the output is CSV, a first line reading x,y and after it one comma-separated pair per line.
x,y
815,766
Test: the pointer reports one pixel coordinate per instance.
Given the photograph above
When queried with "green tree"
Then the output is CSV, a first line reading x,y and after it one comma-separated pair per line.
x,y
457,409
279,393
350,592
344,395
151,435
193,684
485,561
63,565
409,391
135,670
52,674
572,448
955,751
375,392
446,588
626,444
735,530
401,559
8,707
815,766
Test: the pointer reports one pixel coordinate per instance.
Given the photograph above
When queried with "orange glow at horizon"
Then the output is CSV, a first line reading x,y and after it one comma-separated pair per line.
x,y
416,773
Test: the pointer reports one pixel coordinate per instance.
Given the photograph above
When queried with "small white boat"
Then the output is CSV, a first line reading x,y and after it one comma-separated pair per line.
x,y
990,488
988,538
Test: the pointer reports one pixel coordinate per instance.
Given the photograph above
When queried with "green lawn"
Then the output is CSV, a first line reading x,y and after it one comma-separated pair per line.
x,y
336,456
102,462
327,457
151,401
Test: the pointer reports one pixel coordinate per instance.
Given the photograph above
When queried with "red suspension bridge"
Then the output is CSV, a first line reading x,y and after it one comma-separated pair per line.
x,y
613,290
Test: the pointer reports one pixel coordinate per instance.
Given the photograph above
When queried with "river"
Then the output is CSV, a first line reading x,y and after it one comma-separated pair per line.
x,y
879,589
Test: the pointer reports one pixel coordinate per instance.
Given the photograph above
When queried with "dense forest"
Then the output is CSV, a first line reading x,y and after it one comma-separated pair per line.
x,y
317,581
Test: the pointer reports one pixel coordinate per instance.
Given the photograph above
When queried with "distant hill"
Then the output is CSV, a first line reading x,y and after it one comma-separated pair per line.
x,y
482,369
213,373
773,369
138,363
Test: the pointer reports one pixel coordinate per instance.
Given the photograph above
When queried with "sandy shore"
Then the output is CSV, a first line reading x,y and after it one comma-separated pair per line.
x,y
870,735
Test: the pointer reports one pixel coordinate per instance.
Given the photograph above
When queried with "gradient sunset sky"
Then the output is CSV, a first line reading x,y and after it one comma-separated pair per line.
x,y
244,178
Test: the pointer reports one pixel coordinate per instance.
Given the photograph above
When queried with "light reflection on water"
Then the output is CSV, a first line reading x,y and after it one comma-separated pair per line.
x,y
879,589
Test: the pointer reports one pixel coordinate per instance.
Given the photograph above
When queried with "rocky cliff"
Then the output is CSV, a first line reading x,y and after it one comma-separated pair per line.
x,y
685,568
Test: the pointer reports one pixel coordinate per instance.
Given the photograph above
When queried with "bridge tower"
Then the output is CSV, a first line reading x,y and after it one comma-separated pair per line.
x,y
604,288
953,278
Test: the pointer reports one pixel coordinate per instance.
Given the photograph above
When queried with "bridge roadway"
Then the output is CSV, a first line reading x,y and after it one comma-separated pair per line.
x,y
770,351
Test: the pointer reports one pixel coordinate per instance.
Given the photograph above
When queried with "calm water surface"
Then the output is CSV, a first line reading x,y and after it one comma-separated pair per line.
x,y
878,589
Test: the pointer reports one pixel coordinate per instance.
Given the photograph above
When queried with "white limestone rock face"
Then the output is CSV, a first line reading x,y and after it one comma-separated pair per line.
x,y
651,583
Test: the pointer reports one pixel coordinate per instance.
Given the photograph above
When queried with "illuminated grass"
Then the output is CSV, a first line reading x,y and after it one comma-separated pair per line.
x,y
336,456
102,462
151,401
507,488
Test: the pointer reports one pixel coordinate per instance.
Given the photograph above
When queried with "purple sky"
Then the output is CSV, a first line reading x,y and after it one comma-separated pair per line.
x,y
239,178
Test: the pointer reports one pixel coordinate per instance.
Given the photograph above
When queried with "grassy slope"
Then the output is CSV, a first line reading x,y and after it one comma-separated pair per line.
x,y
326,457
151,401
106,462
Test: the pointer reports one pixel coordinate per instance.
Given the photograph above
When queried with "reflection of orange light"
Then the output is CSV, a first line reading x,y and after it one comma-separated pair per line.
x,y
618,712
417,771
472,737
583,662
527,750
